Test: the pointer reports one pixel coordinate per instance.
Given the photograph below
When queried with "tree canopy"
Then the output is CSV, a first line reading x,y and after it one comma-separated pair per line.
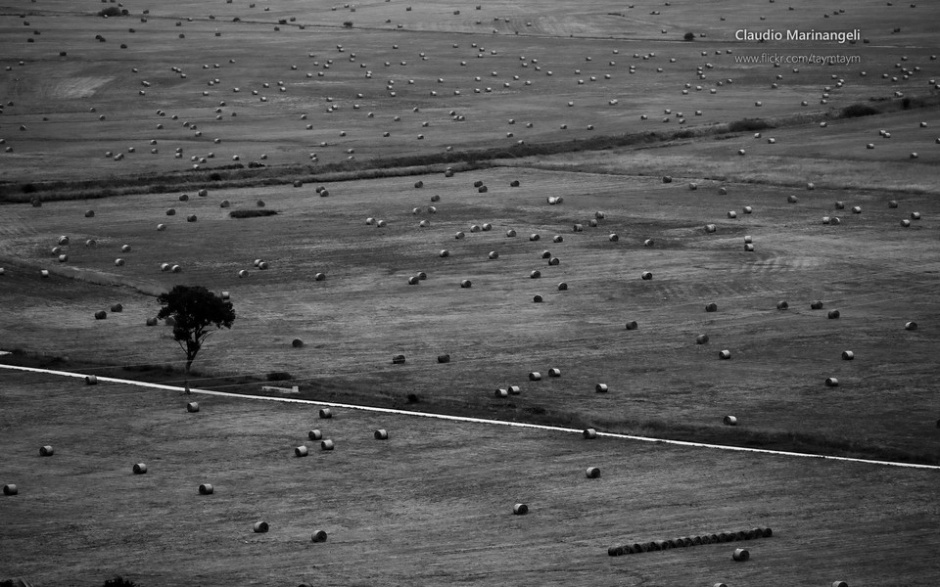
x,y
196,313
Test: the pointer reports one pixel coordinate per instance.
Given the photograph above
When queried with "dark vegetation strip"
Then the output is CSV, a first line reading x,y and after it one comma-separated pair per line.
x,y
256,174
338,390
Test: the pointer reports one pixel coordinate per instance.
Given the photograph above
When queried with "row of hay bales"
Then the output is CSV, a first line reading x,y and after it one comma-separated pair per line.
x,y
686,541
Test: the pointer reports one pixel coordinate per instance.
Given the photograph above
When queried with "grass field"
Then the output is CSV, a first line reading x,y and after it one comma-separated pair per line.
x,y
368,100
430,506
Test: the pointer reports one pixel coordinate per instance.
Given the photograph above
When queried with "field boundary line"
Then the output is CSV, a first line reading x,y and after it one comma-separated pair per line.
x,y
471,420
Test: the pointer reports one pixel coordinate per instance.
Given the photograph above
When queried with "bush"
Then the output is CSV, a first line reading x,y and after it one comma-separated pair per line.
x,y
110,11
254,165
906,103
689,36
251,213
279,376
29,188
348,24
215,176
119,581
749,124
856,110
413,398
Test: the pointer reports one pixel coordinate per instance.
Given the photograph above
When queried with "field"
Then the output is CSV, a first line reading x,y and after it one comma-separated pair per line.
x,y
661,155
432,505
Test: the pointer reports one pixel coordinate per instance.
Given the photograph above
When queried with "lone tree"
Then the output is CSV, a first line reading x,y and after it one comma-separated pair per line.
x,y
194,310
689,36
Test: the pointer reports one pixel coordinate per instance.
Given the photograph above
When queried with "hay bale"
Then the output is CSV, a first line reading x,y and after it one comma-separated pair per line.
x,y
589,433
89,213
832,382
724,354
732,214
191,218
839,584
649,242
297,343
906,223
562,286
554,261
493,255
192,407
260,527
730,421
325,413
398,360
514,390
632,325
616,550
44,273
178,269
502,392
711,307
816,305
535,274
443,358
161,227
117,308
553,372
380,434
151,321
833,314
646,276
10,489
510,233
782,305
848,356
910,326
558,238
578,228
537,299
792,199
711,228
91,380
315,435
520,509
915,215
701,339
413,280
300,451
119,262
318,536
101,315
46,451
327,444
613,238
667,179
206,489
319,277
444,253
839,205
856,209
535,376
593,473
534,237
140,468
893,204
740,555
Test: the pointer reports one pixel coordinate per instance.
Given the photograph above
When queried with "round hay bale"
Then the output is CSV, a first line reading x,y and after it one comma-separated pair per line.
x,y
243,273
225,295
176,269
63,240
792,199
632,325
502,392
554,261
63,258
816,305
483,189
562,286
915,215
732,214
537,299
475,228
646,276
140,468
10,489
767,532
600,388
101,315
260,527
91,380
315,435
117,308
832,382
905,223
839,584
381,224
535,274
701,339
534,237
833,314
730,421
89,213
546,254
740,554
826,220
613,238
593,473
191,218
297,343
119,262
848,356
910,326
667,179
300,451
558,238
171,212
444,253
318,536
514,183
514,390
151,321
380,434
206,489
161,227
44,273
724,354
422,275
327,444
183,198
578,228
696,541
413,280
535,376
589,433
840,205
782,305
616,550
466,284
893,204
711,228
192,407
719,584
748,238
91,243
398,360
319,277
510,233
748,210
711,307
520,509
325,413
419,184
553,372
811,186
493,255
856,210
46,451
649,242
370,221
443,358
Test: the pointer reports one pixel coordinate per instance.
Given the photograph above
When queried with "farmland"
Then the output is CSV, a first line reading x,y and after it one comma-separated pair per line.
x,y
473,144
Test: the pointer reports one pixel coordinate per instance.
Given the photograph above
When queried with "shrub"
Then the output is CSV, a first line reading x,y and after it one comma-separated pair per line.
x,y
254,165
251,213
856,110
215,176
279,376
749,124
348,24
689,36
906,103
110,11
413,398
119,581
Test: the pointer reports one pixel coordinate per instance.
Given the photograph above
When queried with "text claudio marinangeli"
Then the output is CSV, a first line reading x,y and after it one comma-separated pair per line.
x,y
798,35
